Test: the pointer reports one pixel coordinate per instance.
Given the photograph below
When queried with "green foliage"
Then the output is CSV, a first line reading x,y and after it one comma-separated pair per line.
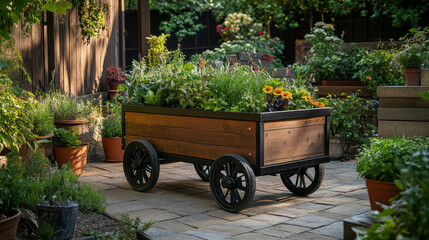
x,y
408,216
112,126
425,95
127,229
64,138
157,50
220,88
376,68
349,118
411,57
348,66
65,107
15,126
42,119
239,26
91,16
383,159
30,11
26,183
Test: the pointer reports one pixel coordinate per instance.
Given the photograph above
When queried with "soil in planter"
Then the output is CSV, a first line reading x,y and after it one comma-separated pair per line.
x,y
84,224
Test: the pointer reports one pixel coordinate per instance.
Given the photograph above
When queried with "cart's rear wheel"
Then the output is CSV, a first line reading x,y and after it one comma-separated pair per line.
x,y
141,165
203,171
303,181
232,182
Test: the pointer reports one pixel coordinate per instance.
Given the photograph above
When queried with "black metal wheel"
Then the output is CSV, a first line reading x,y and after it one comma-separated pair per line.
x,y
303,181
203,171
141,165
232,182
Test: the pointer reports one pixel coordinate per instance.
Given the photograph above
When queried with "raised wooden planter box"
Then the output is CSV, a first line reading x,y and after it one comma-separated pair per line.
x,y
402,111
286,142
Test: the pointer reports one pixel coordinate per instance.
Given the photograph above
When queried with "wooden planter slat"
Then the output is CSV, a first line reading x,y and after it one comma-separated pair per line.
x,y
405,114
408,128
324,91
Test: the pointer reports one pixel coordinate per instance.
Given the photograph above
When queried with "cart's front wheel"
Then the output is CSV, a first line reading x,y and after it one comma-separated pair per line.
x,y
303,181
203,171
141,165
232,182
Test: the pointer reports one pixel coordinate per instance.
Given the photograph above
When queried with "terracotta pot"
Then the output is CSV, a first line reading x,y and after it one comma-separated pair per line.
x,y
114,86
76,156
380,192
81,126
412,76
113,149
336,147
343,83
9,226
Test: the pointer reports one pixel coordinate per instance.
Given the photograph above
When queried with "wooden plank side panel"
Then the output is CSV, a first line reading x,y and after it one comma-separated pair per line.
x,y
294,123
289,144
408,128
215,138
401,91
194,149
205,124
399,102
405,114
338,90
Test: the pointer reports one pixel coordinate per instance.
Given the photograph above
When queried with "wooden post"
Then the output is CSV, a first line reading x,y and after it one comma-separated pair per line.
x,y
144,26
121,17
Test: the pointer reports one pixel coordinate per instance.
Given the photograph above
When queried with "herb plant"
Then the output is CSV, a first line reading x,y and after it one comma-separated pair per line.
x,y
112,126
42,119
383,158
65,107
411,57
64,138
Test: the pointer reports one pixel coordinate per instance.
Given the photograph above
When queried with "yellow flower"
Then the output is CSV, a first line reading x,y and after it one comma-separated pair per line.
x,y
320,104
308,97
278,91
267,89
287,95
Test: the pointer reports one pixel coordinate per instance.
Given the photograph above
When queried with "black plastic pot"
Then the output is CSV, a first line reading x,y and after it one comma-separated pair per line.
x,y
60,216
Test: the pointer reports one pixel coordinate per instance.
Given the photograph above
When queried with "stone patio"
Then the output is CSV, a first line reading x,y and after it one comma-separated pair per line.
x,y
183,208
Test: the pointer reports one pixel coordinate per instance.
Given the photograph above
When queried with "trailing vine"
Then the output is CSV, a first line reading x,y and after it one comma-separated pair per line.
x,y
92,18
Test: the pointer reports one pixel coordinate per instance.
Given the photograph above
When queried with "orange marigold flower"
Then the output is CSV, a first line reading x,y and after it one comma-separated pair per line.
x,y
307,98
287,95
278,91
320,104
268,89
368,78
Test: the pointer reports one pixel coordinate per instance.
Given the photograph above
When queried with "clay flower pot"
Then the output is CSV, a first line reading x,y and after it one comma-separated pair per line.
x,y
76,156
8,226
380,192
412,76
81,126
113,149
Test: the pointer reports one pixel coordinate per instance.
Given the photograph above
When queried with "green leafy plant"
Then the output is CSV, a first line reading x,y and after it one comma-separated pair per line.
x,y
112,126
349,118
64,138
15,126
42,119
383,158
157,51
127,229
411,57
92,18
407,217
377,69
65,107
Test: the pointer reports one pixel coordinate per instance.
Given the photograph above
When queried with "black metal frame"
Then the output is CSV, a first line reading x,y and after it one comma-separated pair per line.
x,y
259,169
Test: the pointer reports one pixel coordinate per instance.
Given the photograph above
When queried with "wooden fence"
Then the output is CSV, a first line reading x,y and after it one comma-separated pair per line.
x,y
55,48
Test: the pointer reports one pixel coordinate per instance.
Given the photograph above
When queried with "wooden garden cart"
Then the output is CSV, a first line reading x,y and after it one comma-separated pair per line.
x,y
228,149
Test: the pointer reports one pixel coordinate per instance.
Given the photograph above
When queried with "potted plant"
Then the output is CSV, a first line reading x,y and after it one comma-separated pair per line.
x,y
68,148
380,164
115,77
349,123
411,59
112,134
70,113
11,186
42,120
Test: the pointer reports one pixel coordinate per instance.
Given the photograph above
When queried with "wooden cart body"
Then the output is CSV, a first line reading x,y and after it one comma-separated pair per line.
x,y
272,142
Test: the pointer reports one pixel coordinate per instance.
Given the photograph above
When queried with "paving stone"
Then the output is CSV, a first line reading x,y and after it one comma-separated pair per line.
x,y
121,195
228,229
253,236
126,207
104,186
348,209
271,219
290,212
180,236
311,221
333,230
153,215
309,236
313,206
347,188
293,229
359,194
200,220
339,199
226,215
157,233
248,223
174,226
207,234
275,232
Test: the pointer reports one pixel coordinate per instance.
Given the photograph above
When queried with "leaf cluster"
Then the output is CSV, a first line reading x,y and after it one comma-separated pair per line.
x,y
42,119
65,107
383,158
64,138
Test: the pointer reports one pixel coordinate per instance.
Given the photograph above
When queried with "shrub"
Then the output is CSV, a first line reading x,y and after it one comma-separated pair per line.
x,y
65,107
64,138
112,126
42,119
383,158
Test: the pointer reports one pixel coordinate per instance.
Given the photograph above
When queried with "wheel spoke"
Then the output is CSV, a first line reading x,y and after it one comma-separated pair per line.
x,y
309,176
235,172
302,180
237,196
228,169
297,180
226,194
231,197
146,177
